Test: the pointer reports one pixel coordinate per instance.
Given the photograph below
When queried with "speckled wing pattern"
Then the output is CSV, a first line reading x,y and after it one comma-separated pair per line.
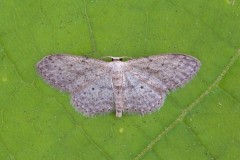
x,y
71,73
88,81
148,80
95,98
135,86
140,97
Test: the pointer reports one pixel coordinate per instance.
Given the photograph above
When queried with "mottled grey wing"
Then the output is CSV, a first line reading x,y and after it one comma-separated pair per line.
x,y
96,98
71,73
166,71
87,80
139,96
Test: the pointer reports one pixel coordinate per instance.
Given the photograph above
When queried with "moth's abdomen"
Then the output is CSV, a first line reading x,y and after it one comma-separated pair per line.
x,y
117,80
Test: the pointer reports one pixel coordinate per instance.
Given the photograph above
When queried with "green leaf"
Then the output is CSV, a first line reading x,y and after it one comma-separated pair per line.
x,y
198,121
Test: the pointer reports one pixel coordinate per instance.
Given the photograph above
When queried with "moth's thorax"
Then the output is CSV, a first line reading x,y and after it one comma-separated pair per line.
x,y
116,64
117,72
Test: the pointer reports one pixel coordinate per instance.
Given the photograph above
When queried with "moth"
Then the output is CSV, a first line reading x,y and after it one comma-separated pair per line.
x,y
134,86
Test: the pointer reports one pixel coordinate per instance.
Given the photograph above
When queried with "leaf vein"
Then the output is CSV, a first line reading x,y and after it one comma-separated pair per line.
x,y
92,37
189,108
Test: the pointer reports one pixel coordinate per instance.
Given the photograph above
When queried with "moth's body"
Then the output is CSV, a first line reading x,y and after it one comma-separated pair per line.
x,y
135,86
117,73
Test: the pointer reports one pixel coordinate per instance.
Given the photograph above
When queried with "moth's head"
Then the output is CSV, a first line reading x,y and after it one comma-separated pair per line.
x,y
117,59
114,59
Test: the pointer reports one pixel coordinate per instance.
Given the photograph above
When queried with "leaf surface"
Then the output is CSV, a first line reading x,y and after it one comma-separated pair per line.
x,y
198,121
